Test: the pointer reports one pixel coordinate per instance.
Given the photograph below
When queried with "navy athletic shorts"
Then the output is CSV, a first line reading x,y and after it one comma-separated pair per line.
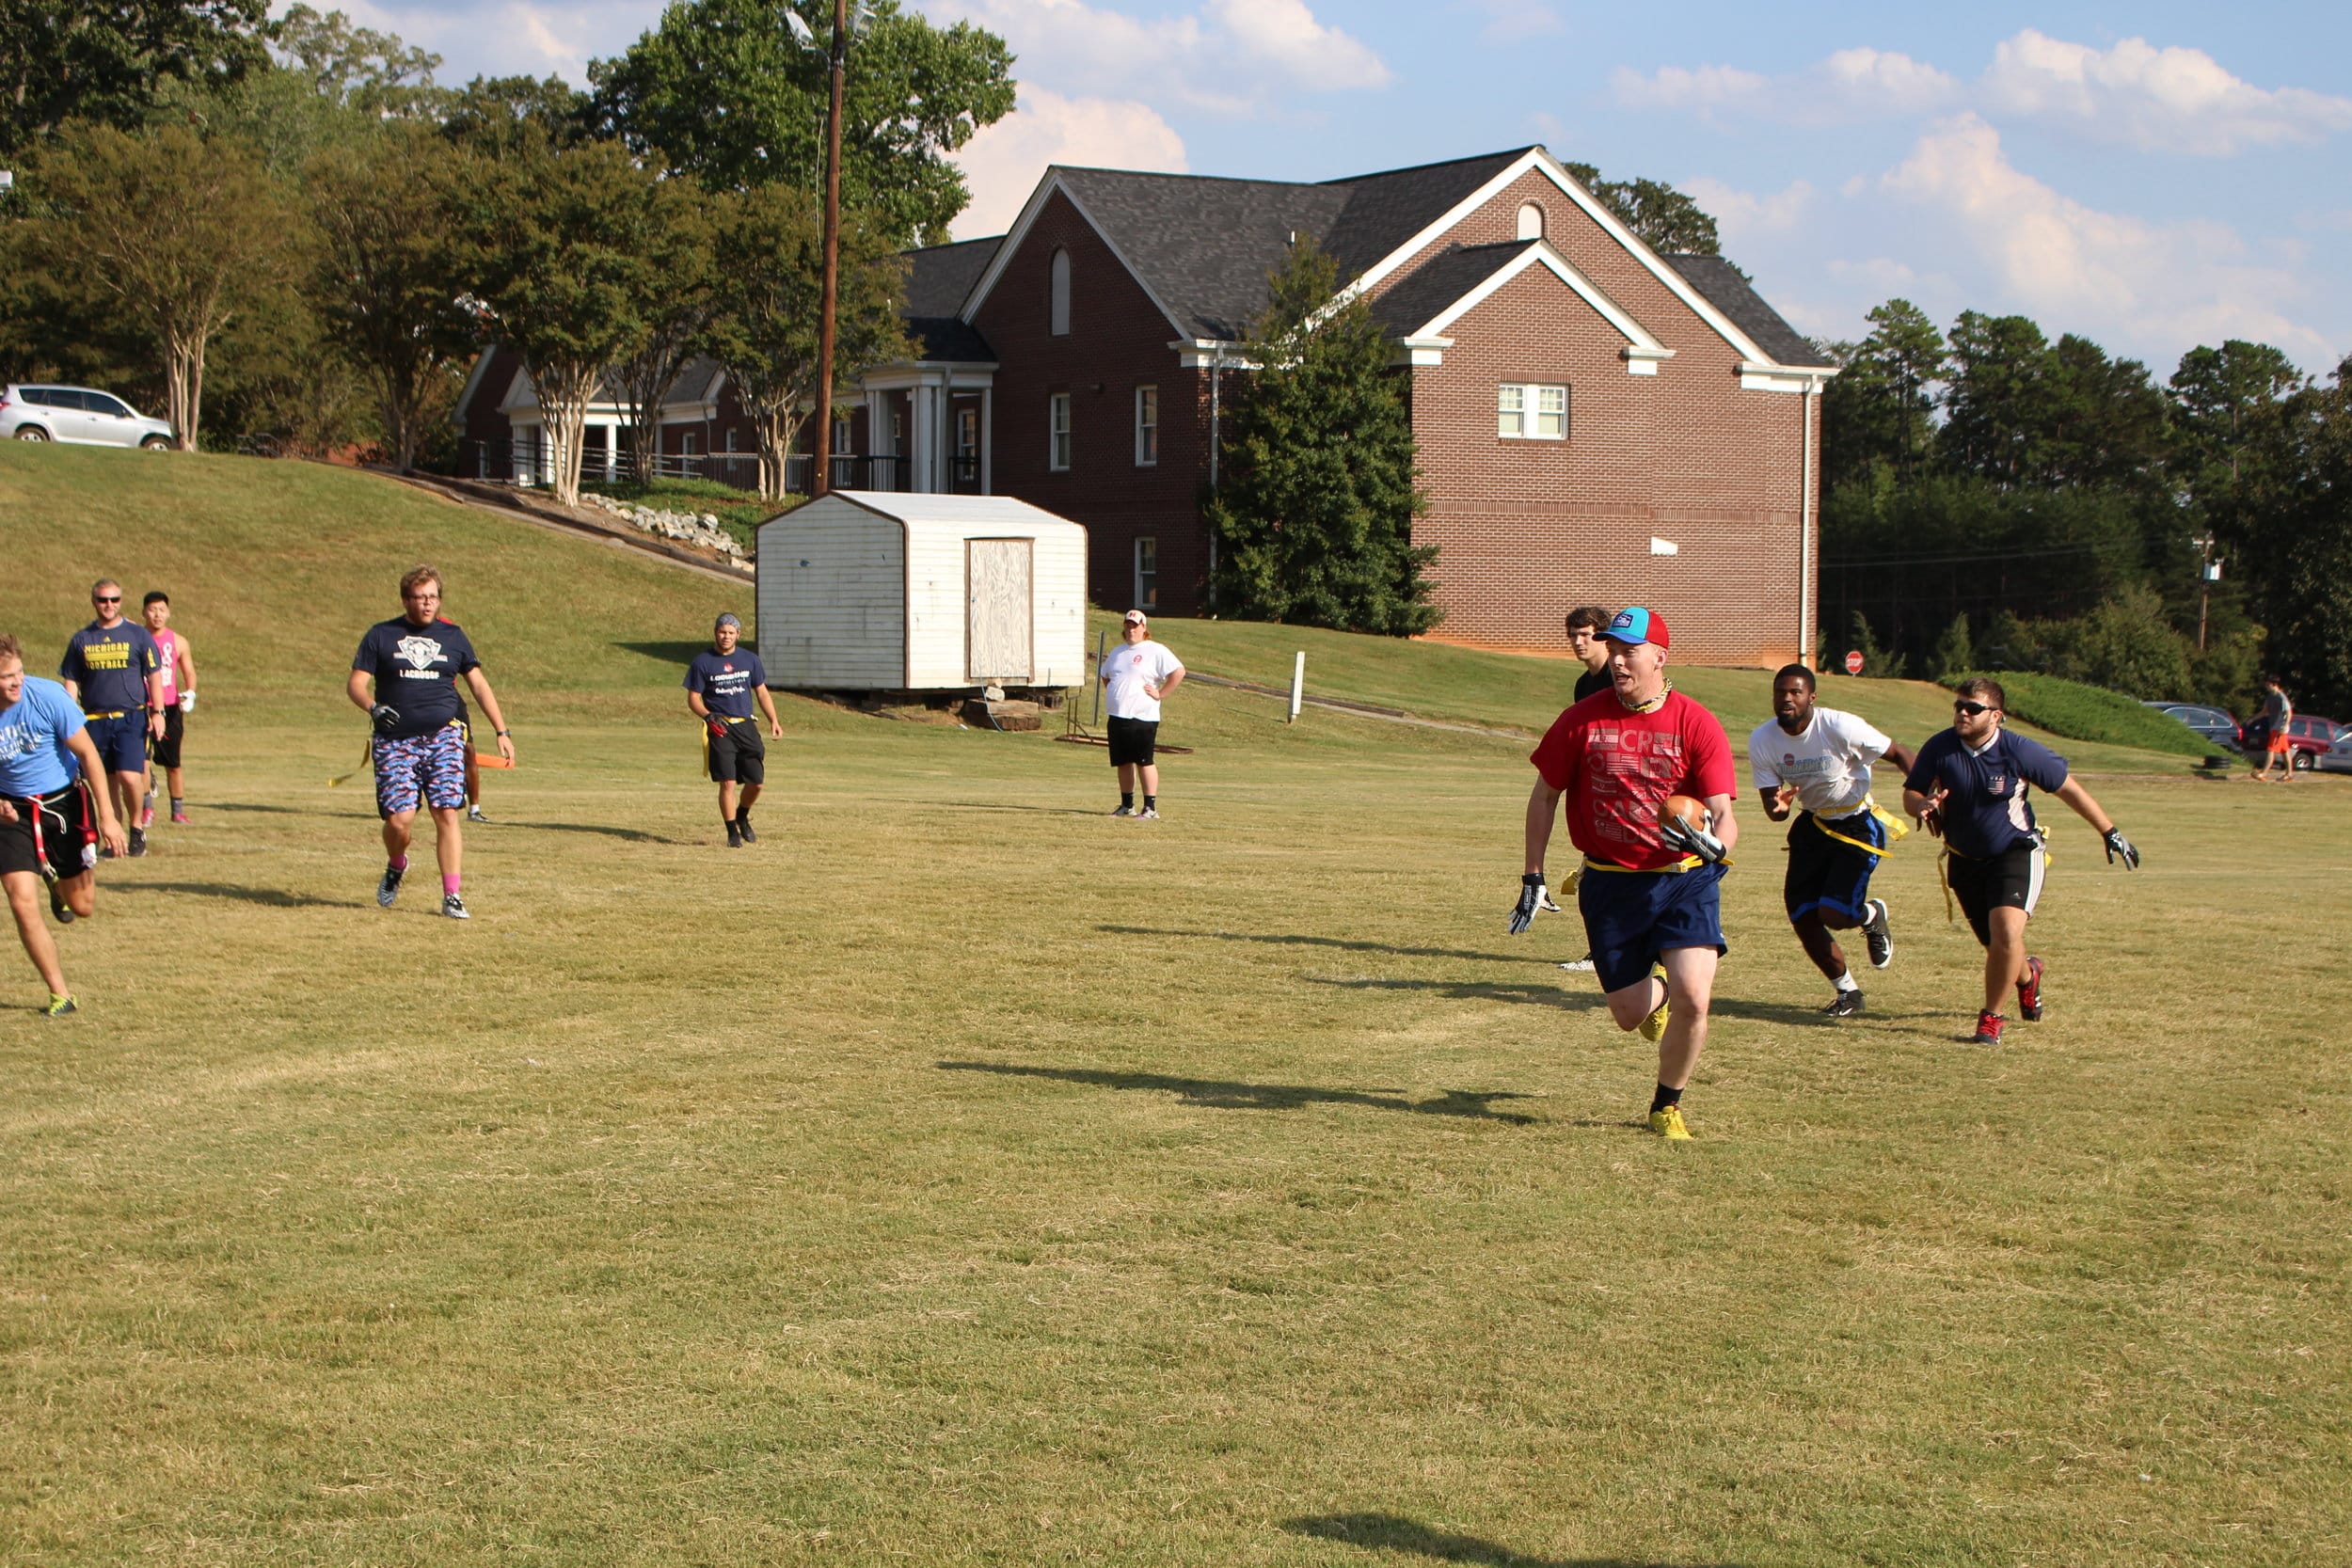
x,y
121,741
1630,917
1828,874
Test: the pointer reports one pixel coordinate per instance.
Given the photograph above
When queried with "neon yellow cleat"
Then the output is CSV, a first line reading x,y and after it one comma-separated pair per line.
x,y
1654,1027
1667,1124
59,1006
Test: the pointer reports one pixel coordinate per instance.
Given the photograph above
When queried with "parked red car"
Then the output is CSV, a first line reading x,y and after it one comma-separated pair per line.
x,y
2306,738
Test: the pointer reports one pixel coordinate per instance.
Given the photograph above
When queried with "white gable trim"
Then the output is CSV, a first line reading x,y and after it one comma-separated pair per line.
x,y
1020,233
1540,159
1643,350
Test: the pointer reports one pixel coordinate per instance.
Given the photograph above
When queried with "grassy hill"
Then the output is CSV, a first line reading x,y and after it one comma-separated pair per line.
x,y
962,1176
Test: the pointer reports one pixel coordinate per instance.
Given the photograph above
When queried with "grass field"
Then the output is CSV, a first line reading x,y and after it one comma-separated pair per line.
x,y
963,1177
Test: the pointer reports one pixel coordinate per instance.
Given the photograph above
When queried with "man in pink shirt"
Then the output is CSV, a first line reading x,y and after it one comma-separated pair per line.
x,y
179,677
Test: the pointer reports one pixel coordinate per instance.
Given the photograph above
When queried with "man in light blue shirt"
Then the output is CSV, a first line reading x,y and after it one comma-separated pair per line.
x,y
51,820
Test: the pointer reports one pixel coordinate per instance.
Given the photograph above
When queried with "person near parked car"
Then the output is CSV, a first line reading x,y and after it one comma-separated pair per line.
x,y
115,671
2277,715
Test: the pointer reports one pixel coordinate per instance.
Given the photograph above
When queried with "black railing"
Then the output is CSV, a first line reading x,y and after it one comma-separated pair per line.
x,y
526,460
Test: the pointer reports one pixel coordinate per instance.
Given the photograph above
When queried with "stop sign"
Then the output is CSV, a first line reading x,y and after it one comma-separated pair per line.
x,y
1854,662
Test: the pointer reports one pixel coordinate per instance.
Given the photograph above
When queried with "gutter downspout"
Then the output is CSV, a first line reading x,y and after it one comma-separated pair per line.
x,y
1806,653
1215,408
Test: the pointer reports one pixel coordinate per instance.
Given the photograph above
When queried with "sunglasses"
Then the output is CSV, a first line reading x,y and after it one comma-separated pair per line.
x,y
105,599
1972,709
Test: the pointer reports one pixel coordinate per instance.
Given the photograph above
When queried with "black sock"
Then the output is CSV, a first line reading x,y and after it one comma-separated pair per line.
x,y
1663,1098
1127,798
1151,802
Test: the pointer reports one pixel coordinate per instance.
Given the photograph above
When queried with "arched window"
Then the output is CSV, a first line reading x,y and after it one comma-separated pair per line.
x,y
1060,311
1531,221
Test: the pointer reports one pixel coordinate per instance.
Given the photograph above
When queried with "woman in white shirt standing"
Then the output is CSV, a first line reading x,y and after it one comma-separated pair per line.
x,y
1137,676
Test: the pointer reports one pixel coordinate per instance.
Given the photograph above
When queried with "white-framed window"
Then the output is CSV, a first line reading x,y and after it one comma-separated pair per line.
x,y
1058,432
1531,221
1530,411
1058,305
967,432
732,435
689,443
1148,572
1147,427
841,437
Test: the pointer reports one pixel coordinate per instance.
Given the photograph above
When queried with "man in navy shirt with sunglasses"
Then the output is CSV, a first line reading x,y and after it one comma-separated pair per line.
x,y
1971,785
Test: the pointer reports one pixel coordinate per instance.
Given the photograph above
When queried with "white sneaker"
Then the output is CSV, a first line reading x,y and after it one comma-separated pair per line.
x,y
1150,814
473,814
453,907
1581,966
1124,810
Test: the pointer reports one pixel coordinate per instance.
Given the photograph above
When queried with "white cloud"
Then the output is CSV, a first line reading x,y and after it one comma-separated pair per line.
x,y
2110,275
1004,161
1850,84
2169,100
1510,21
1230,58
1739,215
517,37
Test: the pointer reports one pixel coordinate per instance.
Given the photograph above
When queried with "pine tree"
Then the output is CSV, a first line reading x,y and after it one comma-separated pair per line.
x,y
1314,522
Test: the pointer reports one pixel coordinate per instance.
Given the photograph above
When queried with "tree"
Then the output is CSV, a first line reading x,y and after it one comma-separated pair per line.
x,y
2107,421
358,68
678,321
1665,218
386,283
1999,401
1317,519
763,327
176,231
1955,652
2221,397
495,116
103,60
1879,415
559,243
721,90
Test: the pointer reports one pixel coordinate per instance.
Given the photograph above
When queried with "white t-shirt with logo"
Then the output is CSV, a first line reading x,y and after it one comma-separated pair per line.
x,y
1128,668
1829,760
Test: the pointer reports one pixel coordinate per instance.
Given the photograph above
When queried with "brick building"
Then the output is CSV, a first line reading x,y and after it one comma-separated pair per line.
x,y
1598,422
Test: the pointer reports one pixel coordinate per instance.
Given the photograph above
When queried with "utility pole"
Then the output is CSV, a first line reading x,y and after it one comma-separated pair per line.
x,y
2208,573
821,469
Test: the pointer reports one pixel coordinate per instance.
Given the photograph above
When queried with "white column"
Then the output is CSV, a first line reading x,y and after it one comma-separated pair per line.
x,y
988,438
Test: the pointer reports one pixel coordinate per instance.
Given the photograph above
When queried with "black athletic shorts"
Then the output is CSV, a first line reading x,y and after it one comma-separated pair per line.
x,y
738,756
64,841
2011,880
1131,740
166,753
1830,874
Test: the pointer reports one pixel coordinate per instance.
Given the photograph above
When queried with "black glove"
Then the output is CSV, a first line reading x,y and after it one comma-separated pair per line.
x,y
1531,898
2119,849
384,716
1698,841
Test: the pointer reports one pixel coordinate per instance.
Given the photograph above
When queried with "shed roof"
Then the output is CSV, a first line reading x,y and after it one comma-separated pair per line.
x,y
962,514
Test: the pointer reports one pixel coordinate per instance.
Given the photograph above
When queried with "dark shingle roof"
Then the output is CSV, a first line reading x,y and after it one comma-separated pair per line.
x,y
1387,209
1203,246
939,276
1420,297
1729,291
950,340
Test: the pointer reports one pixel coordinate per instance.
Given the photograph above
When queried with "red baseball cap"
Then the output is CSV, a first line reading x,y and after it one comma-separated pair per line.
x,y
1635,624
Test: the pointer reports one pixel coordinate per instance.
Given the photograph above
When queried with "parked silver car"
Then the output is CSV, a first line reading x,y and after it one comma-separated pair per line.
x,y
79,414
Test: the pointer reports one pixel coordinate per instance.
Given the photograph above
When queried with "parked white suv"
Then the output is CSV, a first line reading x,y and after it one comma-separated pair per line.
x,y
78,413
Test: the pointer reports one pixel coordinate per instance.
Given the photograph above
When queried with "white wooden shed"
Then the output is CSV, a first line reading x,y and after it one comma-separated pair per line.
x,y
873,591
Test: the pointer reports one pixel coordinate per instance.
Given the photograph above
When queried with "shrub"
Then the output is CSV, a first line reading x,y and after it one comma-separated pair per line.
x,y
2081,712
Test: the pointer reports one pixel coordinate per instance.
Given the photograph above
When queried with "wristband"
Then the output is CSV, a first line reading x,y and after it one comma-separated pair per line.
x,y
502,732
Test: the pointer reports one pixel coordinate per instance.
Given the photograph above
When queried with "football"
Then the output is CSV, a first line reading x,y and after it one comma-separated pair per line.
x,y
1688,807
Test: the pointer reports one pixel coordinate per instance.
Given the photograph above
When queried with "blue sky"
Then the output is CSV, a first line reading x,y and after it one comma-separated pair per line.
x,y
2151,176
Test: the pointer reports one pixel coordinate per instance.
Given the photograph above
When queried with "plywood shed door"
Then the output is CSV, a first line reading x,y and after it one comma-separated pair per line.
x,y
999,609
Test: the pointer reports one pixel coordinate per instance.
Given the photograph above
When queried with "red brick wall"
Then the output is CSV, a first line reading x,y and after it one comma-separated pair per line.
x,y
1117,340
1526,529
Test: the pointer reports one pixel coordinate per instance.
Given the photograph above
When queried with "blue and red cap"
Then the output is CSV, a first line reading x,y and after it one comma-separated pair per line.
x,y
1635,624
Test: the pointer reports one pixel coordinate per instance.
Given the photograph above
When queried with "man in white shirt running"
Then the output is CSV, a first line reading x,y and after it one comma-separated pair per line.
x,y
1138,675
1816,760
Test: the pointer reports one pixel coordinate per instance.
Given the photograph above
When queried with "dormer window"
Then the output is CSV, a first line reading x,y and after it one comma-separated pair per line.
x,y
1531,221
1058,312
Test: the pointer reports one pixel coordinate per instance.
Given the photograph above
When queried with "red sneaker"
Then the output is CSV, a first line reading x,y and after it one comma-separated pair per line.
x,y
2029,992
1988,1029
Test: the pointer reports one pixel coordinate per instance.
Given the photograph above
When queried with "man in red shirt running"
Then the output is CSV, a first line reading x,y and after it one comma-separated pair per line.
x,y
1651,895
